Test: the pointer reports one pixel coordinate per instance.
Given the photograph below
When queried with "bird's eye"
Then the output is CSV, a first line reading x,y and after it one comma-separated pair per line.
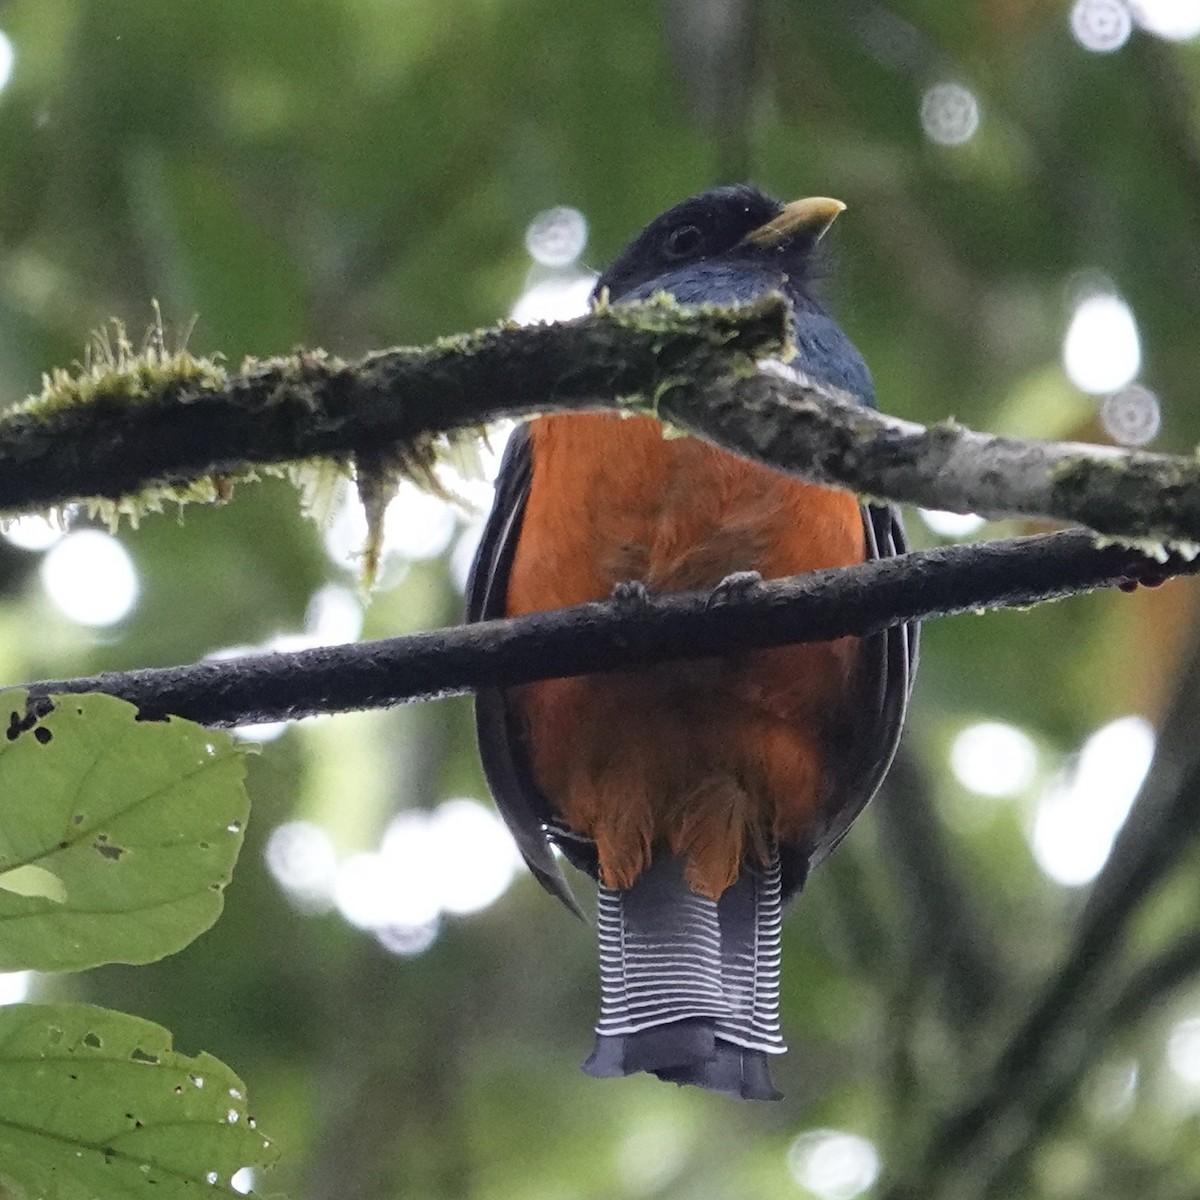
x,y
681,241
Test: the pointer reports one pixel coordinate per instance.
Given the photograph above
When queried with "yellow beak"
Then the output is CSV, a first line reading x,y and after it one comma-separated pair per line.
x,y
811,217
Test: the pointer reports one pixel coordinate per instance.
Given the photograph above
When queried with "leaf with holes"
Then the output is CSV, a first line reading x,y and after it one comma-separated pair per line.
x,y
97,1103
117,836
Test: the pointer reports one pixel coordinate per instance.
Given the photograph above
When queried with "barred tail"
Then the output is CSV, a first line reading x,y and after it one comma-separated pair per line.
x,y
689,985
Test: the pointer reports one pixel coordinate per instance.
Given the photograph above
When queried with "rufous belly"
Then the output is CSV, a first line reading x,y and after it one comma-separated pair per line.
x,y
711,758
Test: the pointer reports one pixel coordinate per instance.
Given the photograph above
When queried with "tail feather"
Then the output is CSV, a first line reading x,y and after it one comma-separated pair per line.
x,y
689,985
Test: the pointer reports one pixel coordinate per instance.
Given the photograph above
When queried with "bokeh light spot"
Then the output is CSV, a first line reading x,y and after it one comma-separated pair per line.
x,y
994,759
557,236
949,114
556,299
457,859
462,557
1101,26
90,578
833,1165
1132,416
485,859
411,858
417,525
1079,816
555,289
33,533
1101,350
1183,1051
260,732
334,616
407,940
1173,20
363,892
655,1151
14,986
302,859
8,58
951,524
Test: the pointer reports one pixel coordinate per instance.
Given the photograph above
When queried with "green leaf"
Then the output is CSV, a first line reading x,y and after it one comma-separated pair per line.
x,y
117,836
96,1103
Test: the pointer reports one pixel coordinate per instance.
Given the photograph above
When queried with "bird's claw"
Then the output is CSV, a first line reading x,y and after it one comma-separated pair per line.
x,y
1146,572
736,586
1147,578
630,595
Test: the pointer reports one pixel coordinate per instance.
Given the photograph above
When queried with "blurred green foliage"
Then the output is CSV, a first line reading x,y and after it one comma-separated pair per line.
x,y
358,174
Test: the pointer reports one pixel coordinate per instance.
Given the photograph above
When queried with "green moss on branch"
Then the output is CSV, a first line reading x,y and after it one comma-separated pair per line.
x,y
138,428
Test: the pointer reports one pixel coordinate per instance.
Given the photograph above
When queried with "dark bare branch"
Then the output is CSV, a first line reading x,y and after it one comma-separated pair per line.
x,y
603,636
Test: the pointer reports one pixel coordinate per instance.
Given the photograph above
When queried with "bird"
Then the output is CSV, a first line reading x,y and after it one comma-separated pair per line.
x,y
697,794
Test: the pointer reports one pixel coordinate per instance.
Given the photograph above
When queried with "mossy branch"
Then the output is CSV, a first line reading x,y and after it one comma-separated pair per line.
x,y
778,417
157,424
133,429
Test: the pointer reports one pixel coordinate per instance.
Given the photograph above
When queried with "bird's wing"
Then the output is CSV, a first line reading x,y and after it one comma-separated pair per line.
x,y
505,765
883,679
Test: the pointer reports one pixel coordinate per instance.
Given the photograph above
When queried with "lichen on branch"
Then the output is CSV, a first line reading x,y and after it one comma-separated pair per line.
x,y
1150,501
186,429
130,421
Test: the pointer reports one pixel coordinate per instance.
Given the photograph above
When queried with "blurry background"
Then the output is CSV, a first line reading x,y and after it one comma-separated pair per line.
x,y
1021,251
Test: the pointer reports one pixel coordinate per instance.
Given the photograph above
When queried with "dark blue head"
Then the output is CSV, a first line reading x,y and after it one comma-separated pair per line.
x,y
732,244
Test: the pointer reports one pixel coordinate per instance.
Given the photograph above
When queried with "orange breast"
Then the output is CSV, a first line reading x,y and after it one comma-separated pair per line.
x,y
707,758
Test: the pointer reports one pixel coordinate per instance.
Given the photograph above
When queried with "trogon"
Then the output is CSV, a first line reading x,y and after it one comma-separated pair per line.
x,y
698,794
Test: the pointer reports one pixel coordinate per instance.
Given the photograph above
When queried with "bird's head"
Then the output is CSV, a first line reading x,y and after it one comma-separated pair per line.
x,y
733,244
725,245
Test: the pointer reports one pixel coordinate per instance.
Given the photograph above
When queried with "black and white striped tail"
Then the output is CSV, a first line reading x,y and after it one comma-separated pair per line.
x,y
690,986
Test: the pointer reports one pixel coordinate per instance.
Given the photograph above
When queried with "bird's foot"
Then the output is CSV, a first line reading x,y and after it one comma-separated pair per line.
x,y
1147,576
737,586
630,595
